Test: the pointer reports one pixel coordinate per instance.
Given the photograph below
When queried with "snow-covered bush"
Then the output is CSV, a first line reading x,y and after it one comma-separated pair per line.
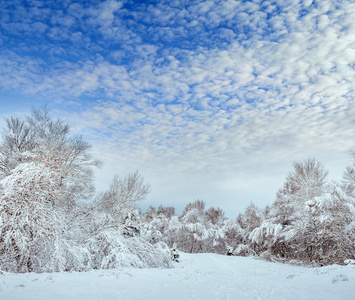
x,y
244,250
229,250
110,249
174,254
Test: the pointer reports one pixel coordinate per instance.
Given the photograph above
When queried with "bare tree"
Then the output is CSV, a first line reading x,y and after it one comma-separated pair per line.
x,y
349,177
17,139
123,193
307,180
215,215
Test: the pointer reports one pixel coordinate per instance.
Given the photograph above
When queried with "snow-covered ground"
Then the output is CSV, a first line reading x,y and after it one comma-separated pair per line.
x,y
197,276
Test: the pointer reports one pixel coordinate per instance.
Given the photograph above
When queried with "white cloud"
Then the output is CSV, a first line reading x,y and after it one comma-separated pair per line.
x,y
227,109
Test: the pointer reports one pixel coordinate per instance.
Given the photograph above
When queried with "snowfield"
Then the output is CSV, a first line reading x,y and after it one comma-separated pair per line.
x,y
197,276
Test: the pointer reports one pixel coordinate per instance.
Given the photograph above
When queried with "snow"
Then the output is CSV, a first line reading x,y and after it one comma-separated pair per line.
x,y
196,276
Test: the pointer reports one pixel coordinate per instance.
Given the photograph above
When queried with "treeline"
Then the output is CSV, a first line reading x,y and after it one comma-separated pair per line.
x,y
197,230
311,221
46,172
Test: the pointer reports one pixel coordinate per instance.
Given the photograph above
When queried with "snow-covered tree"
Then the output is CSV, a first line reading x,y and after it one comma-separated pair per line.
x,y
17,139
328,234
114,236
37,134
349,177
214,215
251,218
198,230
303,184
120,199
29,222
233,234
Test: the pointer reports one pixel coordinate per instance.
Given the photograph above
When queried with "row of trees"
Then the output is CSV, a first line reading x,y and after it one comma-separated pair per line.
x,y
197,230
311,221
44,172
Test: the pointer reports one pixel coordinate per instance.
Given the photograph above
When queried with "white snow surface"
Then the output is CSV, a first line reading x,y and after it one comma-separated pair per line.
x,y
196,276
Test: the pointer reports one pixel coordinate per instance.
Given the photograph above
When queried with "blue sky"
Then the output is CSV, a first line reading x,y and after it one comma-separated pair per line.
x,y
207,99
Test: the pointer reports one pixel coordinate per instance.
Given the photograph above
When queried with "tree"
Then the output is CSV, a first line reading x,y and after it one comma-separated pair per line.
x,y
45,170
200,231
303,184
329,228
74,157
214,215
306,181
122,195
349,177
168,211
17,139
114,235
251,219
248,222
30,225
38,133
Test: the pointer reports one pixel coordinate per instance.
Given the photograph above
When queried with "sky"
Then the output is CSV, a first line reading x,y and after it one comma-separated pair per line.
x,y
210,100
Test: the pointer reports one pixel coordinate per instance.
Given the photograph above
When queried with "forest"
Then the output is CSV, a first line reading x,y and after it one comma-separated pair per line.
x,y
46,173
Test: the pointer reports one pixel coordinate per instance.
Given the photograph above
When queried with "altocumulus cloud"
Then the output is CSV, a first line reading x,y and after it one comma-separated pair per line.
x,y
208,99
